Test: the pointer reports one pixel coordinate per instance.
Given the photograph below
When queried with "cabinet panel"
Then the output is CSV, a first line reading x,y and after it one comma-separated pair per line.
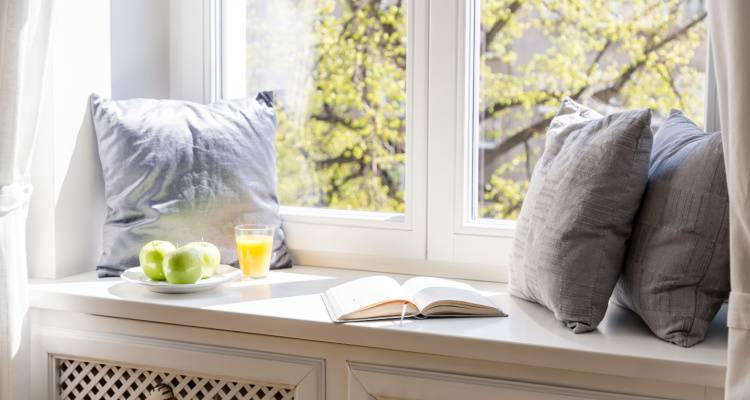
x,y
368,382
313,369
76,379
91,366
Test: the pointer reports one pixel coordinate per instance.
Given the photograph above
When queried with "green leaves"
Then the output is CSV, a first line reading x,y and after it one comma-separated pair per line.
x,y
611,55
349,153
347,149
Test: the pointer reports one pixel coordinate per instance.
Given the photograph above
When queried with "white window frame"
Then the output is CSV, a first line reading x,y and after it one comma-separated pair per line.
x,y
437,235
454,237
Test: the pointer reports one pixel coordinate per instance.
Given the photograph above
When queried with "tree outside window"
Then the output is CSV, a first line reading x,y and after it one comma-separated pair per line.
x,y
342,92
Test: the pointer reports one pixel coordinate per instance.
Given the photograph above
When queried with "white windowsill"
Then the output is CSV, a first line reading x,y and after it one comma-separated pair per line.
x,y
336,217
288,304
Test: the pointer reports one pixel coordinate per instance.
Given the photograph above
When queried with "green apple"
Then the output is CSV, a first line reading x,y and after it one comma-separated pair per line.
x,y
184,265
152,258
211,256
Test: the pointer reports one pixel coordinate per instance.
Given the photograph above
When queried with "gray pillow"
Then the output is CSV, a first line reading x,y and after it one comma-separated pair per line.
x,y
182,171
585,190
676,272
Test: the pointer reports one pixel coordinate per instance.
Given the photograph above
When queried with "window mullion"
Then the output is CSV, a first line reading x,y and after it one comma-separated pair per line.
x,y
452,238
447,19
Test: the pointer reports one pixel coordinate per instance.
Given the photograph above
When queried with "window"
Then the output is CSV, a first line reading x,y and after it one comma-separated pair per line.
x,y
339,71
610,55
408,130
351,120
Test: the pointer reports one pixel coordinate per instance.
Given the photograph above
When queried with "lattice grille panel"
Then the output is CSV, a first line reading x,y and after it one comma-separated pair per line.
x,y
87,380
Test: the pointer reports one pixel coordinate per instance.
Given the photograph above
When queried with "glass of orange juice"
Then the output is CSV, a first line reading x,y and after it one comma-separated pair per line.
x,y
254,249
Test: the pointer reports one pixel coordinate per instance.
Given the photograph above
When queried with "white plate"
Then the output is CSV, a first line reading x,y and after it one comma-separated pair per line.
x,y
224,273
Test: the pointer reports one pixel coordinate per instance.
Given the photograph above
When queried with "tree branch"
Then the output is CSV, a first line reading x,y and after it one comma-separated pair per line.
x,y
329,116
607,93
495,108
340,159
500,23
669,79
514,140
604,94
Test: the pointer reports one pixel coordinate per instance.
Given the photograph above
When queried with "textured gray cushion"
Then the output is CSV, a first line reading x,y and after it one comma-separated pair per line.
x,y
676,272
585,190
183,172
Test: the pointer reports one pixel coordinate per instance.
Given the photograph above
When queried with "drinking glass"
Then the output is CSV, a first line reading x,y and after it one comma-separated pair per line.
x,y
254,249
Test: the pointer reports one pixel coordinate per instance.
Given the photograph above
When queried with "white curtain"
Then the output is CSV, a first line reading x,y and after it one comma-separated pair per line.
x,y
24,37
281,45
730,38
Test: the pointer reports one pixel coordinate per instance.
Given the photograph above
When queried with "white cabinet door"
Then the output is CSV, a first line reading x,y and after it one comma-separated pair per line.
x,y
369,382
91,365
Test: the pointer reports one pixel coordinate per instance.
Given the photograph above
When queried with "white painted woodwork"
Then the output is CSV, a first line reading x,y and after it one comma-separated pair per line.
x,y
283,315
276,331
303,376
376,381
94,380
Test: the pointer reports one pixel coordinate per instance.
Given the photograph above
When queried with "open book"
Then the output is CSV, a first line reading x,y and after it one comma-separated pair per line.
x,y
381,297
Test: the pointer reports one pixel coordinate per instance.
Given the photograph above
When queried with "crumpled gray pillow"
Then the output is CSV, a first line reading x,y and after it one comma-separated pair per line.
x,y
570,237
676,274
182,171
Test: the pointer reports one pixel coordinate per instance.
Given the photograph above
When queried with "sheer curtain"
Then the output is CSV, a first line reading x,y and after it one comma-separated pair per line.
x,y
730,35
24,37
281,51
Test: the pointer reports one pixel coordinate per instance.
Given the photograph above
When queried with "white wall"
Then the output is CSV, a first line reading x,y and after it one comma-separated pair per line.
x,y
118,49
189,49
140,48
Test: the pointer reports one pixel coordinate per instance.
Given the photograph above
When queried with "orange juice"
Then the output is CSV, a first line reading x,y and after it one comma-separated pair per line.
x,y
254,254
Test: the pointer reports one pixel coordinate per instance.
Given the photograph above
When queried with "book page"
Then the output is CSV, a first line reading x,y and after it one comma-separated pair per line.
x,y
363,298
436,296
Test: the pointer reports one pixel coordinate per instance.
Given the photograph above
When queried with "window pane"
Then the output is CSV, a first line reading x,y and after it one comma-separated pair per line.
x,y
609,55
338,69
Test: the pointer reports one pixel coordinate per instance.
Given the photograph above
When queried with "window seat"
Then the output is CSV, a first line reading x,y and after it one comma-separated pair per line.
x,y
288,304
